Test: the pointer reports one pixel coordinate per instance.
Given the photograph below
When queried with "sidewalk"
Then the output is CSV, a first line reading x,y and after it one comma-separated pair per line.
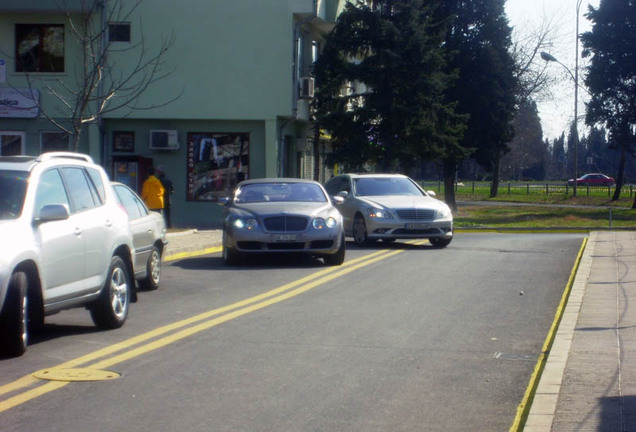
x,y
192,241
589,379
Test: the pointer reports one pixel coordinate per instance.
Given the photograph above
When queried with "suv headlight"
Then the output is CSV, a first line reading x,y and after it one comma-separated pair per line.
x,y
377,213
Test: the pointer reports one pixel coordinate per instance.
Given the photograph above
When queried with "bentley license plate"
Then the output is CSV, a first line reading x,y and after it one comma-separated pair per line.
x,y
286,237
414,226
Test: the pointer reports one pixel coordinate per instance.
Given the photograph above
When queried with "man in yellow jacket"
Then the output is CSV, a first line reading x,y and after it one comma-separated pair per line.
x,y
152,192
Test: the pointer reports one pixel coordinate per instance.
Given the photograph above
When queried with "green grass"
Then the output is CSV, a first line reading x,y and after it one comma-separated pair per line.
x,y
495,216
540,193
541,206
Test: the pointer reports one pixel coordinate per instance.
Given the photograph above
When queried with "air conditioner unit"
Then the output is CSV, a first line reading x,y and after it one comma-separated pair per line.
x,y
306,87
164,140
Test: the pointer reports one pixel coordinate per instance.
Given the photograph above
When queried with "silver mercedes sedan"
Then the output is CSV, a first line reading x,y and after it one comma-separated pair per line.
x,y
388,207
282,215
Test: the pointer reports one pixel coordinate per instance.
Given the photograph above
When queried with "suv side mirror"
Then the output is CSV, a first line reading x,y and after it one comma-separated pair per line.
x,y
52,212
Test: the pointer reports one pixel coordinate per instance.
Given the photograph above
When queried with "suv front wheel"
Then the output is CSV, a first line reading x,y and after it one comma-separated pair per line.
x,y
13,319
111,308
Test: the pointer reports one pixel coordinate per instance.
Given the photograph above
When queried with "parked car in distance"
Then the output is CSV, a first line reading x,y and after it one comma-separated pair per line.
x,y
64,242
389,207
593,179
149,236
282,215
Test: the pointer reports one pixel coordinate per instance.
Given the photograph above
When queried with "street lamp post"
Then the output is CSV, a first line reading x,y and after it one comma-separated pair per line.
x,y
575,76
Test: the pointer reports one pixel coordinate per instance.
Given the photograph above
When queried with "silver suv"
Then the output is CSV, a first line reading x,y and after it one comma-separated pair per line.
x,y
64,243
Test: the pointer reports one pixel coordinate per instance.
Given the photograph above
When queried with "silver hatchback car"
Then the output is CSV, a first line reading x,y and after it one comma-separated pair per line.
x,y
388,207
64,242
149,236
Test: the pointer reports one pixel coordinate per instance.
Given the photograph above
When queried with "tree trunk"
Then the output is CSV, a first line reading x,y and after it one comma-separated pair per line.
x,y
450,168
620,175
494,186
316,150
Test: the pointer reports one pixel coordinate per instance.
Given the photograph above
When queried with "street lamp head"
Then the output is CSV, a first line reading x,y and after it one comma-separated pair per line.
x,y
548,57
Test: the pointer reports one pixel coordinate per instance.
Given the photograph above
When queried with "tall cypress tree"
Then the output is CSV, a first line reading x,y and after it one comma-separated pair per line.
x,y
478,45
380,83
529,154
610,78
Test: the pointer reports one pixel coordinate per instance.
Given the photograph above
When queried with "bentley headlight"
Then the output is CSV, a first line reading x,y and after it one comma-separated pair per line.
x,y
319,223
248,224
251,224
331,222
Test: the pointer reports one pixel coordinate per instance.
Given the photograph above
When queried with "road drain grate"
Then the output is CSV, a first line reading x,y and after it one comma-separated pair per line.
x,y
516,357
75,374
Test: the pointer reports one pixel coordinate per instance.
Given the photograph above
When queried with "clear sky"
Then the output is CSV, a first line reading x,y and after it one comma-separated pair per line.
x,y
527,17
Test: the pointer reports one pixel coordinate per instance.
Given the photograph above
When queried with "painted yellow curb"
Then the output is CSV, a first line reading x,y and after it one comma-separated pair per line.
x,y
526,403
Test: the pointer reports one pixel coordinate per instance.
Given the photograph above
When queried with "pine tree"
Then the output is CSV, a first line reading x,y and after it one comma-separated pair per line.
x,y
478,45
610,78
380,83
528,156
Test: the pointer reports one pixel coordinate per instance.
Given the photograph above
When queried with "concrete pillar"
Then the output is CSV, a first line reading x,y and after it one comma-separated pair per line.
x,y
271,148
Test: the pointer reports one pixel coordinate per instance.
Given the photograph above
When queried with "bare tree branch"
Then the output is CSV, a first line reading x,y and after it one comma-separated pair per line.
x,y
535,82
98,83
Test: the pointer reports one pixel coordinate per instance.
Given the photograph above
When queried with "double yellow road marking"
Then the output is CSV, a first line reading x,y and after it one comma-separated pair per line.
x,y
166,335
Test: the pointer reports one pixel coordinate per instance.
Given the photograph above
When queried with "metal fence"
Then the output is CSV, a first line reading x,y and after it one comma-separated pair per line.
x,y
520,188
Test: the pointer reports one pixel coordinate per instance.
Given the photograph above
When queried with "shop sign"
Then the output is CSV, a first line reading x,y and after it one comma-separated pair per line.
x,y
19,103
216,163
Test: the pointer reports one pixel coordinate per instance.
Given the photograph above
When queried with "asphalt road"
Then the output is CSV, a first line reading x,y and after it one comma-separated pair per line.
x,y
402,337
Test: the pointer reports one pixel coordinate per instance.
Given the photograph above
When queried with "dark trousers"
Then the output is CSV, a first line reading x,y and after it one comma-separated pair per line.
x,y
166,216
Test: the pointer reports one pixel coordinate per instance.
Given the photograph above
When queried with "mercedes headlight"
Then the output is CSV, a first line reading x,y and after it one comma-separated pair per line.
x,y
444,213
377,213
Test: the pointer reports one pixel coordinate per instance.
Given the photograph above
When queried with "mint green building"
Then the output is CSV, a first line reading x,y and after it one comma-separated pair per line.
x,y
227,99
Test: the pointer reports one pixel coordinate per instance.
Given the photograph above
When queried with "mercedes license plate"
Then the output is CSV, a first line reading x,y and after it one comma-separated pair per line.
x,y
414,226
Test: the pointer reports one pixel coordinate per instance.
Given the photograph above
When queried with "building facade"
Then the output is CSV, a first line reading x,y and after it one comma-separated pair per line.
x,y
215,92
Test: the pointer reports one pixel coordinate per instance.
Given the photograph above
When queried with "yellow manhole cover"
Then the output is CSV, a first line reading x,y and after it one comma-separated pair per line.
x,y
76,374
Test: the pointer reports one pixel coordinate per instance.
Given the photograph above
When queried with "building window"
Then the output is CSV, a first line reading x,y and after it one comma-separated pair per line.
x,y
119,32
123,141
39,48
54,141
315,51
11,143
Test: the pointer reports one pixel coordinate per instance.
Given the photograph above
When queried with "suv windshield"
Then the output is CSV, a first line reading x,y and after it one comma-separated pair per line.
x,y
12,190
377,186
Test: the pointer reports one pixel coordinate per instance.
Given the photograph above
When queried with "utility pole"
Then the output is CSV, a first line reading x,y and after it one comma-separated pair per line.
x,y
576,99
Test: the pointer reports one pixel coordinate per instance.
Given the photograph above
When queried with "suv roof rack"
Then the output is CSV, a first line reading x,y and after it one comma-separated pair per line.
x,y
65,155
